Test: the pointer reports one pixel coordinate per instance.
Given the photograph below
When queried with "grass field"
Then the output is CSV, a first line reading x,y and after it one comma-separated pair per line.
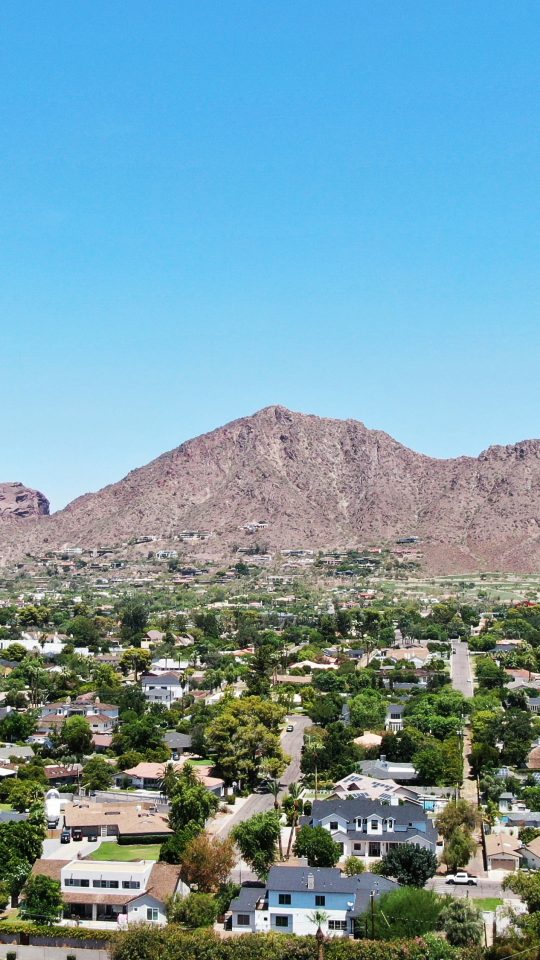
x,y
5,806
487,903
116,851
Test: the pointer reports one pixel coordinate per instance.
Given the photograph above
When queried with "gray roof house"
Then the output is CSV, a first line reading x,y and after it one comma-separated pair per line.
x,y
287,901
370,829
383,769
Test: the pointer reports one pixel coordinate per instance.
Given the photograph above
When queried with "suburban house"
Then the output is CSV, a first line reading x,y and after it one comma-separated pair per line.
x,y
383,769
360,785
115,892
164,688
59,775
502,852
179,743
394,717
102,717
370,829
530,854
115,820
149,776
291,895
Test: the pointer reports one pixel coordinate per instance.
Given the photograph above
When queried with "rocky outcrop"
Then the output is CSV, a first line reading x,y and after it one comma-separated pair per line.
x,y
18,502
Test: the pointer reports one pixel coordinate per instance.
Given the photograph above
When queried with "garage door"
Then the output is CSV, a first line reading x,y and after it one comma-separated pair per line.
x,y
502,863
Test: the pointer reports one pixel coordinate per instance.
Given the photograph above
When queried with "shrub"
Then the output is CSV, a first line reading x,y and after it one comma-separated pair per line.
x,y
195,910
11,955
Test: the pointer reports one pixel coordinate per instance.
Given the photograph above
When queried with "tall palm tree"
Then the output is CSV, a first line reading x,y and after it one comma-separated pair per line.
x,y
274,787
294,793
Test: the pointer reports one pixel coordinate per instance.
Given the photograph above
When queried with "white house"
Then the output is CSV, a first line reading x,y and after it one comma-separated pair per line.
x,y
115,892
370,829
164,688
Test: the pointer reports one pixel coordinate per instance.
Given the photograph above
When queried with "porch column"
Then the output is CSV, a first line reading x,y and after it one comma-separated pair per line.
x,y
94,911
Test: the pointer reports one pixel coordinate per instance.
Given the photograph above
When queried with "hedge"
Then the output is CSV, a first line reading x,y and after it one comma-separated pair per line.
x,y
128,839
13,928
173,943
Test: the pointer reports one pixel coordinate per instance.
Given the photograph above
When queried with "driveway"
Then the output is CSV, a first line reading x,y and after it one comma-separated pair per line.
x,y
486,888
74,850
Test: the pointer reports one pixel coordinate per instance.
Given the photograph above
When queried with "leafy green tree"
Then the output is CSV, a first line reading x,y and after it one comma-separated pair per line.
x,y
462,922
97,774
43,901
455,815
409,865
353,866
84,630
406,912
317,845
190,801
527,885
244,736
368,710
194,911
134,622
76,735
23,793
134,659
174,847
257,839
458,849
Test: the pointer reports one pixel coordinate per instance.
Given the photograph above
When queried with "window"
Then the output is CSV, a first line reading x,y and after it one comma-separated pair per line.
x,y
337,924
320,900
131,885
76,882
282,921
152,913
358,846
242,920
106,884
334,825
284,899
374,825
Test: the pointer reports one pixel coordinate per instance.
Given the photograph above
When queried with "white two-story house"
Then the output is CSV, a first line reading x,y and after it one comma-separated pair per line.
x,y
370,829
164,688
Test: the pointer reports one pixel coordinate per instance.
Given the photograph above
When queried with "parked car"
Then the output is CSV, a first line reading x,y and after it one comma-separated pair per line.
x,y
65,836
76,833
290,728
463,878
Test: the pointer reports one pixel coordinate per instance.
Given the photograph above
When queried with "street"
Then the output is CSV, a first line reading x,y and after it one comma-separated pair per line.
x,y
461,668
486,888
258,802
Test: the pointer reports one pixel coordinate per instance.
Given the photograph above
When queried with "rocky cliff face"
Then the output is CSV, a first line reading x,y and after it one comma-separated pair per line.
x,y
319,483
18,502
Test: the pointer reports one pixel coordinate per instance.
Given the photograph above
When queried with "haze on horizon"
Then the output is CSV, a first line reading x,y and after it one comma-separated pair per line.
x,y
209,209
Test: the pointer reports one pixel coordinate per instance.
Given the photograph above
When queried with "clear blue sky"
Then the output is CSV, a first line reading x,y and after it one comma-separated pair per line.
x,y
212,206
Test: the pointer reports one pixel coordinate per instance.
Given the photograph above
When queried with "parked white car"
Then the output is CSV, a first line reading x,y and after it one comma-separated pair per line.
x,y
463,878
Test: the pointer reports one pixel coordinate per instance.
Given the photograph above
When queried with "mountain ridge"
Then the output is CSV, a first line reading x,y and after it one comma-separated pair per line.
x,y
319,483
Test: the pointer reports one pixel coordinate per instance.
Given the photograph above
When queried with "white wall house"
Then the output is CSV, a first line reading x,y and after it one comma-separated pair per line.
x,y
164,688
115,892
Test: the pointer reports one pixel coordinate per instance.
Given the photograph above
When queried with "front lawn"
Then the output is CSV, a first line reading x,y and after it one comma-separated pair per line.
x,y
488,903
117,851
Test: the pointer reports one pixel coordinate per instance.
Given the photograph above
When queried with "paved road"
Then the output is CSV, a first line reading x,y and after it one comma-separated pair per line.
x,y
259,802
461,668
485,888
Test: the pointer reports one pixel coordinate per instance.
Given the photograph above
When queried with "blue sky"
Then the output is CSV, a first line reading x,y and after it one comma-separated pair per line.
x,y
210,207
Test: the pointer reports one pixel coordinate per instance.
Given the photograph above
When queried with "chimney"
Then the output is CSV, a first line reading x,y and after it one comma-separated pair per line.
x,y
310,881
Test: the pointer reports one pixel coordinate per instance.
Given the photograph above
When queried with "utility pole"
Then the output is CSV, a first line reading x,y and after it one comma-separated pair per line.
x,y
372,904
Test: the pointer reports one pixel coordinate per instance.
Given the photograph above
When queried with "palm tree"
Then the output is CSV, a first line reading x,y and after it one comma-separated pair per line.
x,y
318,917
294,793
168,780
274,787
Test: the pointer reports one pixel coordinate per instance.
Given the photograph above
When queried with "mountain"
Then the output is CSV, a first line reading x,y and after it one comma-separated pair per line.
x,y
18,502
318,483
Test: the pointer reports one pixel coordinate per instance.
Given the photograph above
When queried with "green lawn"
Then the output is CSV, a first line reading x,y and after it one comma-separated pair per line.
x,y
487,903
5,806
117,851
